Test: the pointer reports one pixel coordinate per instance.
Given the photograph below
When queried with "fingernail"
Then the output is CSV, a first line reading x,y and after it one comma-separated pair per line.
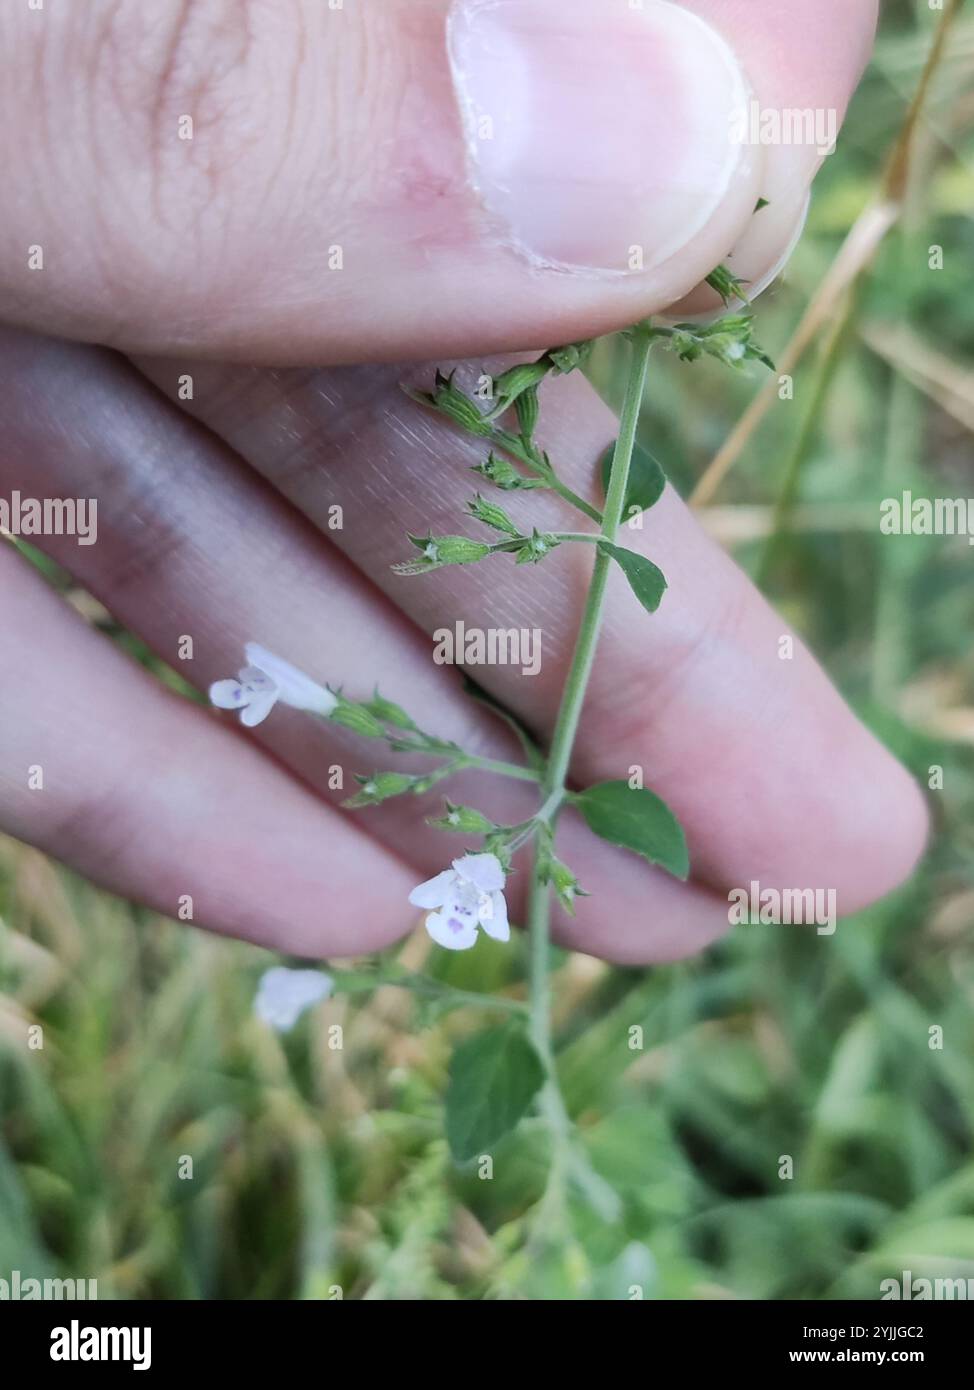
x,y
779,265
750,261
599,132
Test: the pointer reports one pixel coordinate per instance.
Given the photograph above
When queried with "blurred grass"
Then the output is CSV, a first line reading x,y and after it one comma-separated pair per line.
x,y
314,1168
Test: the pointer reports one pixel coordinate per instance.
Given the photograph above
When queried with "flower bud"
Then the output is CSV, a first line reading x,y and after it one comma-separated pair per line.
x,y
492,515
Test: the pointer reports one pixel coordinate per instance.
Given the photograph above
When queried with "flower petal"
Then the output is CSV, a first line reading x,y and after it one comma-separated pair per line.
x,y
227,695
482,870
283,995
495,922
297,690
254,678
259,708
435,891
454,933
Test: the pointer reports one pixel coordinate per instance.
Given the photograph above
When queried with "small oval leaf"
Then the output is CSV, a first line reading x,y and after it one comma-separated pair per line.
x,y
494,1077
638,820
646,580
646,484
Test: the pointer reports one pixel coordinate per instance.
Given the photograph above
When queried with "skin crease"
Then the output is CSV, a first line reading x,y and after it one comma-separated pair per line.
x,y
154,798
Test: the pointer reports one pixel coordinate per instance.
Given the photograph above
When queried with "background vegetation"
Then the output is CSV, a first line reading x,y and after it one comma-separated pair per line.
x,y
316,1168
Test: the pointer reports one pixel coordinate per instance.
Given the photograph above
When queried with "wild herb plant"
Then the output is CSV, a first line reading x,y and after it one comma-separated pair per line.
x,y
497,1076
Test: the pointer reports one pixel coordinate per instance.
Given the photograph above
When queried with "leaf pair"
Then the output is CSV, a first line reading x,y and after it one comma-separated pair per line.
x,y
645,486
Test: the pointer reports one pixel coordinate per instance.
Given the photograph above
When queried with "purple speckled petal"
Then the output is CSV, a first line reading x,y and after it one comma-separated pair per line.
x,y
226,694
451,932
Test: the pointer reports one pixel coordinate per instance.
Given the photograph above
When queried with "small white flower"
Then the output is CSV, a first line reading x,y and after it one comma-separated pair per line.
x,y
468,896
283,995
263,681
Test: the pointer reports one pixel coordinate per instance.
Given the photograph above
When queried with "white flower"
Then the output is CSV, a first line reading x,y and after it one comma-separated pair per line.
x,y
263,681
283,995
467,896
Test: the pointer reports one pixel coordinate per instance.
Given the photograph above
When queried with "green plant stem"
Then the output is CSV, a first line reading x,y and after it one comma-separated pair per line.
x,y
574,500
434,989
515,449
539,900
463,761
588,537
576,686
550,809
351,982
515,770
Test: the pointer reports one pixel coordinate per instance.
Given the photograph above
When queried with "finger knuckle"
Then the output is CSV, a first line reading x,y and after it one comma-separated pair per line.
x,y
192,88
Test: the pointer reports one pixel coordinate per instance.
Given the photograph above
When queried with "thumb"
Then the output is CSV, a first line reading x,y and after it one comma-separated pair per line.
x,y
346,180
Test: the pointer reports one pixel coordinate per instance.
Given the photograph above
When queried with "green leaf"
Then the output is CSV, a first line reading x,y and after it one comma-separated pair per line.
x,y
494,1077
646,480
647,582
638,820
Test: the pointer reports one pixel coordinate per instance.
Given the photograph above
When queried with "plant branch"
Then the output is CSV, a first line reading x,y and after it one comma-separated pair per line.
x,y
516,449
539,903
351,982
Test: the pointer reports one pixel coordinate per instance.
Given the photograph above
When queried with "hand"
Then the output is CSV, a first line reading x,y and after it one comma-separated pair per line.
x,y
214,513
611,127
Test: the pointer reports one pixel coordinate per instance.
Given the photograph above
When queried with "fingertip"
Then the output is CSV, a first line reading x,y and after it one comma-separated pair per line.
x,y
892,805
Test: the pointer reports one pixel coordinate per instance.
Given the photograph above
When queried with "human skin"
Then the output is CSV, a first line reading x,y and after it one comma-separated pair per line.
x,y
214,513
